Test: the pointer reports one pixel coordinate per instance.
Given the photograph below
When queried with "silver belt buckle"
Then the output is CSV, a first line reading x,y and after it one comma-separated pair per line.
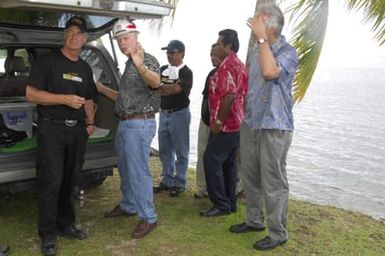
x,y
70,122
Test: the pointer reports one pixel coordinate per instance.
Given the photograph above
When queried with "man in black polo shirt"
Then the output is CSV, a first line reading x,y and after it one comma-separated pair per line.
x,y
174,119
62,86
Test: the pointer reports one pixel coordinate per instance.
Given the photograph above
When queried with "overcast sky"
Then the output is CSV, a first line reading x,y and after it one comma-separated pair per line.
x,y
348,43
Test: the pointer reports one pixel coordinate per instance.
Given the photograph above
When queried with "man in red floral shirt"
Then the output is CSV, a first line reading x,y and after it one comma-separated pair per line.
x,y
227,90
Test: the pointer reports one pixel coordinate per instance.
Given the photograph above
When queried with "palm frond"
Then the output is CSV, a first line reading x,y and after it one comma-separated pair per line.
x,y
157,25
309,32
374,11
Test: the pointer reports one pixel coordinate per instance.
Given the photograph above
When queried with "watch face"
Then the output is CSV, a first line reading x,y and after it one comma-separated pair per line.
x,y
261,40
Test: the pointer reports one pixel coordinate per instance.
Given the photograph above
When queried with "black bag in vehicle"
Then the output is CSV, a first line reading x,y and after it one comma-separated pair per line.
x,y
9,137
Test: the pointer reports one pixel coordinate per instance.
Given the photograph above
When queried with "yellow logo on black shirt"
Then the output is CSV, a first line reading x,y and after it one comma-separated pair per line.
x,y
72,77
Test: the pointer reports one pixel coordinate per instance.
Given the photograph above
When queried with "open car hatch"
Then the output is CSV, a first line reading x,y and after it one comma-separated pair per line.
x,y
46,18
116,8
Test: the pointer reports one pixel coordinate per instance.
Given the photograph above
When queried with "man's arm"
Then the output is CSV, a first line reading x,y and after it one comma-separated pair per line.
x,y
45,98
269,67
108,92
223,112
170,89
89,107
151,78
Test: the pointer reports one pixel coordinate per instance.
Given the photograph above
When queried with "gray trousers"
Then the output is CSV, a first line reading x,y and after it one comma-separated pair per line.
x,y
263,158
203,137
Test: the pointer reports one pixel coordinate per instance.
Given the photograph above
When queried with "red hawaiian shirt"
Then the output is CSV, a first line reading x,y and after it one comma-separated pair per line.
x,y
231,77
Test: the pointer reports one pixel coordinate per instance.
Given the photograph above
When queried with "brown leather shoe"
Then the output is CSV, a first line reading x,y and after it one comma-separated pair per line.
x,y
116,212
142,229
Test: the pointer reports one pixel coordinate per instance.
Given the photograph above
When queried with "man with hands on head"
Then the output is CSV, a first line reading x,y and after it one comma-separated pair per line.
x,y
266,132
136,102
62,86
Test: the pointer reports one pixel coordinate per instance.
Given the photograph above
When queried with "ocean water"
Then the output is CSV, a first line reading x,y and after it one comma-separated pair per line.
x,y
338,152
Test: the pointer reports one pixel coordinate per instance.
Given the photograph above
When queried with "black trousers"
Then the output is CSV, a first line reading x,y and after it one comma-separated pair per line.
x,y
220,167
60,156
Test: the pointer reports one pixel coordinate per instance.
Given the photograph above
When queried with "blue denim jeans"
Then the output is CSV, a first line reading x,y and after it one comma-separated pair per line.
x,y
174,146
133,143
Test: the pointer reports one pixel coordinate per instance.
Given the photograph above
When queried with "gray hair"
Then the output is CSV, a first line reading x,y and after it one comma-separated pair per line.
x,y
275,18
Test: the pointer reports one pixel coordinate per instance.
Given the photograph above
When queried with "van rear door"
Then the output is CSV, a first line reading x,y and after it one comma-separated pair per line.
x,y
51,15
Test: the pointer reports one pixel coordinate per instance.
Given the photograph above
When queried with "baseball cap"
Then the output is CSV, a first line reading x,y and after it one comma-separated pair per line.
x,y
174,45
77,21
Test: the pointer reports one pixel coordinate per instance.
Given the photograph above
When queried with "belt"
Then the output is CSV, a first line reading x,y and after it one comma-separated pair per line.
x,y
172,110
137,116
66,122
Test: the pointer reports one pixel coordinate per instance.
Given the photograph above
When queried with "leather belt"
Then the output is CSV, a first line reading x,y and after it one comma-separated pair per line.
x,y
172,110
137,116
66,122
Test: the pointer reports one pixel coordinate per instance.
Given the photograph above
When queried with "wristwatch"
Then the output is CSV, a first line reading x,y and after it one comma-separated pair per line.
x,y
218,122
261,40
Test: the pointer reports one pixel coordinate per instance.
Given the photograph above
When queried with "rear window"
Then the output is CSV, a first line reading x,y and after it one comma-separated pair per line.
x,y
50,19
15,65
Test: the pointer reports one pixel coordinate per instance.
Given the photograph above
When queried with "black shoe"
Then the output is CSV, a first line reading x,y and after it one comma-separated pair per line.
x,y
213,212
160,188
72,232
48,246
4,250
243,228
267,243
176,191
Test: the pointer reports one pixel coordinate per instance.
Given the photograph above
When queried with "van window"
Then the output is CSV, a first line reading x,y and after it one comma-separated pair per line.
x,y
15,65
50,19
97,64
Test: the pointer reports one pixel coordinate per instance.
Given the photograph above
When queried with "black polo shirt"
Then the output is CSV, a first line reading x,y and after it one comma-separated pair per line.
x,y
180,100
57,74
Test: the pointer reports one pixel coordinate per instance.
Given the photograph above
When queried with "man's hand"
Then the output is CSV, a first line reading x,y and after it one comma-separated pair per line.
x,y
138,55
90,129
74,101
215,128
257,25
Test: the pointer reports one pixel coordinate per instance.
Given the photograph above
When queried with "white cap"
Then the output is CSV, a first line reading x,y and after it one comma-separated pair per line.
x,y
123,26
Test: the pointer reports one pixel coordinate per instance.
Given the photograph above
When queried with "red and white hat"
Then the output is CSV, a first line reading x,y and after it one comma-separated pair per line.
x,y
123,26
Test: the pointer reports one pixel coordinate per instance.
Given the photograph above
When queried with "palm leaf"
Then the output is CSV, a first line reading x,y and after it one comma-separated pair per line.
x,y
156,25
374,11
309,32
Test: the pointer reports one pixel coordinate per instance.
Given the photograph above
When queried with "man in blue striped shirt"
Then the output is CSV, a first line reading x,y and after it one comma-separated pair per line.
x,y
266,132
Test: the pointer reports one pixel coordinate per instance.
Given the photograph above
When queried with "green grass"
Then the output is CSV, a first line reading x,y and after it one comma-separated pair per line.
x,y
313,229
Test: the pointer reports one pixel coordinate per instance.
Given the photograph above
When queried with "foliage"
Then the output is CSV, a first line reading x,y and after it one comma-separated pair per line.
x,y
311,18
157,25
309,34
374,11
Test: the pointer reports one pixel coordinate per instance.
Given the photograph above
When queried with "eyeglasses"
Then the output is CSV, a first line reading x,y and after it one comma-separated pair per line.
x,y
172,52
